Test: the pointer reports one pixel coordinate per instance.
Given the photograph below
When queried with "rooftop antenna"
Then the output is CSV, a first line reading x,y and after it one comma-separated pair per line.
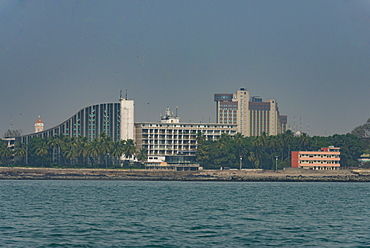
x,y
11,122
168,112
120,94
300,124
126,94
177,107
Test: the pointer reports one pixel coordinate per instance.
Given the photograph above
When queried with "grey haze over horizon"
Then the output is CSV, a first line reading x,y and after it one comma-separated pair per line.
x,y
313,57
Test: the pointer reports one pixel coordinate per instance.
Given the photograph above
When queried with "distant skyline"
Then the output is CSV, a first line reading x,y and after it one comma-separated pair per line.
x,y
313,57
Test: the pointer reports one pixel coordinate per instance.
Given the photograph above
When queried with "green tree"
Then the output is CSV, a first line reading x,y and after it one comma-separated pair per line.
x,y
206,153
351,148
53,143
226,154
304,140
142,156
201,138
363,132
94,151
70,149
117,149
105,146
42,150
259,148
5,152
129,148
20,151
287,138
241,147
252,159
82,148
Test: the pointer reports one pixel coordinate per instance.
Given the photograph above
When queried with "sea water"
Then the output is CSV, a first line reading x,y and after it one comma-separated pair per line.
x,y
183,214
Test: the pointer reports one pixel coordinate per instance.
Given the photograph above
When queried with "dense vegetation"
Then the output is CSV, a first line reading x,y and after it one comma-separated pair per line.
x,y
263,151
73,152
266,152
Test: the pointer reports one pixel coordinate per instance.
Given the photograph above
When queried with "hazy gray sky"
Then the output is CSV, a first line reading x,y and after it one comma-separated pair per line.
x,y
313,57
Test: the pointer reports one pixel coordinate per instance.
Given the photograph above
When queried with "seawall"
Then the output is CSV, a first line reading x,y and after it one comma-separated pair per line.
x,y
288,175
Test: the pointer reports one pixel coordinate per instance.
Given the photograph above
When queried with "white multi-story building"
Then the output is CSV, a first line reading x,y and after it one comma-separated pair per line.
x,y
127,113
170,137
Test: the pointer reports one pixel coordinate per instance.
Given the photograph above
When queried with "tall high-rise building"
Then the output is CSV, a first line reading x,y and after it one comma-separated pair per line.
x,y
252,116
233,109
242,97
127,118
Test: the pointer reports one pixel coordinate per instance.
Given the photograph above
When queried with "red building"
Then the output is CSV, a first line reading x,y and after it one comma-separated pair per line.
x,y
327,158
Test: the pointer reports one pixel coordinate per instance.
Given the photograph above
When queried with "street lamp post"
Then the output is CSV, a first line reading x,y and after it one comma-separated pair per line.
x,y
241,162
276,160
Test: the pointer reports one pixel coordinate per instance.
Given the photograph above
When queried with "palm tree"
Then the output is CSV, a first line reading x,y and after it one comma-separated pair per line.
x,y
42,149
259,145
60,142
82,148
223,140
53,143
69,149
275,145
261,140
20,151
117,149
252,158
105,146
5,153
287,138
142,156
93,150
304,140
129,148
239,142
258,154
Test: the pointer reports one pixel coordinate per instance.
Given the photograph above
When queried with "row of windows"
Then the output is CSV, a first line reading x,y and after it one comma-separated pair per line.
x,y
317,162
168,147
228,109
180,133
318,156
184,125
225,119
168,142
88,122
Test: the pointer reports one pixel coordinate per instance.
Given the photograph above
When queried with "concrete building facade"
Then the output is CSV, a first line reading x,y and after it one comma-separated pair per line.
x,y
226,109
170,137
127,119
253,116
162,139
89,122
327,158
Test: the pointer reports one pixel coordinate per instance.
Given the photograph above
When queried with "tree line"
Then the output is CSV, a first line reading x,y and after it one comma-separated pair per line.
x,y
261,152
65,151
269,152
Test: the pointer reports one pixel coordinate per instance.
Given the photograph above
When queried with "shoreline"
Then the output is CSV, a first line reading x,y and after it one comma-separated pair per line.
x,y
288,175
